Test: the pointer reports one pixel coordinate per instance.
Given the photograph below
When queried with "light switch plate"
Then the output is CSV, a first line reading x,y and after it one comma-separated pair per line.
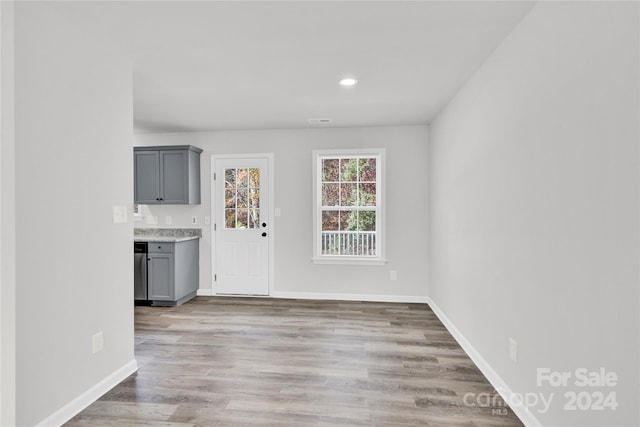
x,y
168,220
119,214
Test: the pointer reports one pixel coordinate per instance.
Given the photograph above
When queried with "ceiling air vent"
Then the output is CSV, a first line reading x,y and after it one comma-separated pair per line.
x,y
319,121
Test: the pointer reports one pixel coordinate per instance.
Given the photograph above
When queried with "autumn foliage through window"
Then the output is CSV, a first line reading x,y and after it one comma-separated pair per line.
x,y
349,206
242,198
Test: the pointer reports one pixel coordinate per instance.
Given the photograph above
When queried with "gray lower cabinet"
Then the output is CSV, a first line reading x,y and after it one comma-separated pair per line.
x,y
161,277
167,175
173,272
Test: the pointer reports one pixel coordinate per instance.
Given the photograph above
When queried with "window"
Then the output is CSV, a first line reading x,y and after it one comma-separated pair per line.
x,y
242,198
348,213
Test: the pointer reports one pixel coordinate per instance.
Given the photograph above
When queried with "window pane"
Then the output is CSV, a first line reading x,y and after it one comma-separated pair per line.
x,y
330,220
347,219
368,170
330,170
230,218
330,195
242,198
242,220
348,194
254,198
352,222
254,218
242,178
348,170
230,198
254,178
230,178
367,194
367,221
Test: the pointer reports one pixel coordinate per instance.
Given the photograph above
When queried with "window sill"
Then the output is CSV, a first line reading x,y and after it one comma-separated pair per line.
x,y
348,261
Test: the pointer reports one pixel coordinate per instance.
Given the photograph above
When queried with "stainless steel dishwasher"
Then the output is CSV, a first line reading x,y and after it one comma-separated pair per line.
x,y
140,272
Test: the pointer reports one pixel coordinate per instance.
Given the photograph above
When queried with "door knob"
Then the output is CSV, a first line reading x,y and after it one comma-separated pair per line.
x,y
264,234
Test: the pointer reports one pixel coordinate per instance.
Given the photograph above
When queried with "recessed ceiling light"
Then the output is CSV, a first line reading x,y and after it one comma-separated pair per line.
x,y
319,121
348,81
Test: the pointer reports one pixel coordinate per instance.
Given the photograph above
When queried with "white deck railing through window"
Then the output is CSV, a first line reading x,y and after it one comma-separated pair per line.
x,y
349,243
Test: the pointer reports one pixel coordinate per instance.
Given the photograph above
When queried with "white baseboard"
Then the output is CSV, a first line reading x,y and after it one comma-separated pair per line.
x,y
74,407
496,381
205,293
351,297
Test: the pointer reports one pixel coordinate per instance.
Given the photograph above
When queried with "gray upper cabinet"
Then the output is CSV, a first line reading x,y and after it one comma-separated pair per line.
x,y
146,177
167,175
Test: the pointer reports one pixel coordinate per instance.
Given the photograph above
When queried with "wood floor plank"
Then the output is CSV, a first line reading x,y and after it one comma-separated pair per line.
x,y
223,361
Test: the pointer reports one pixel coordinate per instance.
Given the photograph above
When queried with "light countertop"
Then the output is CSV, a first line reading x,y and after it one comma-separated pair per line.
x,y
166,235
164,239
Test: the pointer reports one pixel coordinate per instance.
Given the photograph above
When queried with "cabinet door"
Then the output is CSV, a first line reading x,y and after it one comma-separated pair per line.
x,y
161,277
147,177
174,177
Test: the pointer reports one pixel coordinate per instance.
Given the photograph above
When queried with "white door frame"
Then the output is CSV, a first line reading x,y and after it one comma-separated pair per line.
x,y
270,215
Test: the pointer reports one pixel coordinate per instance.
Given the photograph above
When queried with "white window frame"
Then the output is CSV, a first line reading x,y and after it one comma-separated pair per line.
x,y
318,257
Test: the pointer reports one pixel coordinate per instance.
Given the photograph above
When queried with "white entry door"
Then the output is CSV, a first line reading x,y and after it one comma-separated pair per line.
x,y
242,227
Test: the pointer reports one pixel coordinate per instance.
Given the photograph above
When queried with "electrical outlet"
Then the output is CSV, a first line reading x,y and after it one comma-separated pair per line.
x,y
168,220
393,275
513,350
194,220
97,342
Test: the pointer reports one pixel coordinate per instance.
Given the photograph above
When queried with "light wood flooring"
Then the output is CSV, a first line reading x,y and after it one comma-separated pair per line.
x,y
219,361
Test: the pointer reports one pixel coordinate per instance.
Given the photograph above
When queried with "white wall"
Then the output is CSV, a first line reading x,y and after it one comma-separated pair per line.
x,y
7,220
534,197
406,223
74,269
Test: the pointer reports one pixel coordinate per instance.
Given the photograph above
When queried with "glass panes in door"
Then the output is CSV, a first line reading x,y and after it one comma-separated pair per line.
x,y
242,198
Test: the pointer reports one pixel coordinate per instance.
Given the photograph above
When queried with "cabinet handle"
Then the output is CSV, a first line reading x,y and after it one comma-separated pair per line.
x,y
264,234
264,224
